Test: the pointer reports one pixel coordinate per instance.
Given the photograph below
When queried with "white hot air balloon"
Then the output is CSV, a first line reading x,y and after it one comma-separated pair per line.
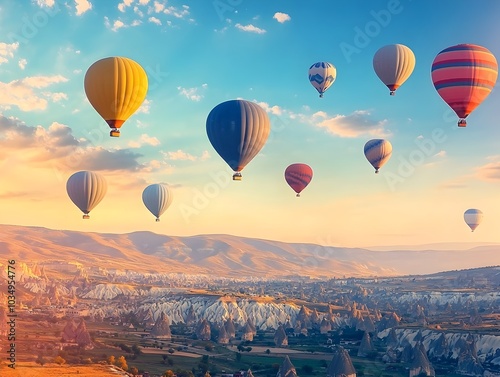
x,y
473,218
86,189
393,64
157,198
378,152
322,75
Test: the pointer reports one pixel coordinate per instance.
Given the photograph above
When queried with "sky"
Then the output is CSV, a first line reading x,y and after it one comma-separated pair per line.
x,y
198,54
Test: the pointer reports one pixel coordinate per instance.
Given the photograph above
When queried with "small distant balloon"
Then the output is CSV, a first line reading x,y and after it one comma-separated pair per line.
x,y
157,198
393,64
298,176
322,75
464,76
238,130
473,218
378,152
86,189
116,87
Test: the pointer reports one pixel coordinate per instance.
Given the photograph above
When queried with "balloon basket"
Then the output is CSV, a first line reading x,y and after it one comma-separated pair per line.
x,y
157,219
391,93
237,176
462,123
376,171
298,195
114,133
86,217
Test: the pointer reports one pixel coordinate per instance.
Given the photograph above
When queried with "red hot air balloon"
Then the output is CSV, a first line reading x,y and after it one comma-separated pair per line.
x,y
464,76
298,176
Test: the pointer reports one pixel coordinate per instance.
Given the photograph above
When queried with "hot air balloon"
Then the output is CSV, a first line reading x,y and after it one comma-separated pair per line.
x,y
378,152
86,189
322,75
298,176
393,64
238,130
157,198
116,87
473,218
464,76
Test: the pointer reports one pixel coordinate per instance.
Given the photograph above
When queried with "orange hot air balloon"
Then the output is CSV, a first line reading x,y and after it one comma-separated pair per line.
x,y
464,76
298,176
116,87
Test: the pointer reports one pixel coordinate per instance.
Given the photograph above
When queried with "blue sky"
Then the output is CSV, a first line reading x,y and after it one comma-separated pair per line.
x,y
200,53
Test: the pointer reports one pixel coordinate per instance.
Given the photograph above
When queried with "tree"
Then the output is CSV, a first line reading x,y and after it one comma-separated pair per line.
x,y
40,360
59,360
268,351
111,360
135,371
164,357
207,374
238,356
171,350
122,363
169,373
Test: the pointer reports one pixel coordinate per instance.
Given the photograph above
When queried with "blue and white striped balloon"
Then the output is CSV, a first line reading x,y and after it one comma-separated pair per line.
x,y
378,152
322,75
473,218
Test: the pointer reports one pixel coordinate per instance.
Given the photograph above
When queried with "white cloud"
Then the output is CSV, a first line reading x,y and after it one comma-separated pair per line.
x,y
179,13
7,51
138,12
181,155
22,63
77,71
126,3
47,3
440,154
489,171
356,124
144,108
56,97
154,20
23,94
192,93
158,7
143,2
275,110
145,139
250,28
82,6
281,17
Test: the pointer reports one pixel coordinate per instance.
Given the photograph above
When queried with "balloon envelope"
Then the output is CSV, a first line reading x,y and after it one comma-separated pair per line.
x,y
86,189
464,76
378,152
116,87
157,198
238,129
473,218
298,176
322,75
393,64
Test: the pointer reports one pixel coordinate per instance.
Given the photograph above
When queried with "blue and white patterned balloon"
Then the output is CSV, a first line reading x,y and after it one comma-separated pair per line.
x,y
322,75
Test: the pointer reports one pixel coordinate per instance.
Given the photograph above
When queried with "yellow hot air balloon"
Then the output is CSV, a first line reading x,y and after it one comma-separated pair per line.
x,y
116,87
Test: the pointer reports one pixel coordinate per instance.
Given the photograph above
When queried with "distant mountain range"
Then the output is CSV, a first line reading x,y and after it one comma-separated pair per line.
x,y
229,256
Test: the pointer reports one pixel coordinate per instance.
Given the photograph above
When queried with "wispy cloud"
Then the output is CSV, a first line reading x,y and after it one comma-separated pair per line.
x,y
22,63
144,108
489,171
192,93
7,51
281,17
180,155
250,28
23,94
145,139
154,20
357,124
